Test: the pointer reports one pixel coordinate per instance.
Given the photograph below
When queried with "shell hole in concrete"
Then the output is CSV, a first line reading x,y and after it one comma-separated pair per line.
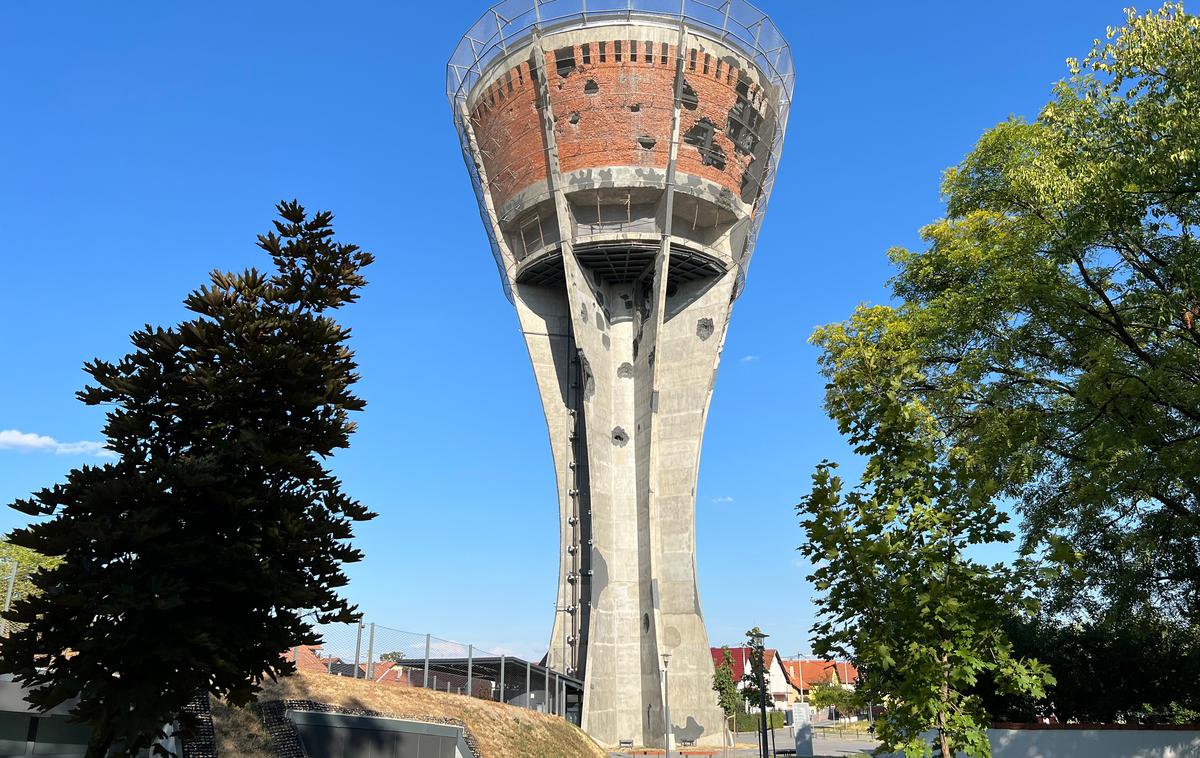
x,y
625,370
647,142
591,88
620,437
645,623
704,328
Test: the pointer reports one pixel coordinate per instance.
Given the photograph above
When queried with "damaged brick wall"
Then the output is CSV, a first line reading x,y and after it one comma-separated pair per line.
x,y
509,133
613,105
627,121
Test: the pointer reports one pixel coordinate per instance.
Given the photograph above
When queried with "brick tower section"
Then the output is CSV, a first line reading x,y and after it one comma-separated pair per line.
x,y
622,167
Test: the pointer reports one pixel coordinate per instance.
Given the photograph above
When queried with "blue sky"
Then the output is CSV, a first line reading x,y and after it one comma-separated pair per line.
x,y
144,144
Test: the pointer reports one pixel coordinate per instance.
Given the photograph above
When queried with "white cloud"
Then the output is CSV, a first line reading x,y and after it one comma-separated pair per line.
x,y
747,359
725,499
524,650
14,439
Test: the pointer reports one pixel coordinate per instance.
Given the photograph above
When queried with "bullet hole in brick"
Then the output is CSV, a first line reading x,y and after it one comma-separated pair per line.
x,y
564,60
647,142
625,371
635,107
688,98
701,135
574,119
704,328
620,437
591,88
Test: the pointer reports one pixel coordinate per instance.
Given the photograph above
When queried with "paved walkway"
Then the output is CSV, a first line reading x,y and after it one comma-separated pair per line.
x,y
746,747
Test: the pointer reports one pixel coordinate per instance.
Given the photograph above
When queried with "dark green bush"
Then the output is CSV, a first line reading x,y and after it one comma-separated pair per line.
x,y
749,722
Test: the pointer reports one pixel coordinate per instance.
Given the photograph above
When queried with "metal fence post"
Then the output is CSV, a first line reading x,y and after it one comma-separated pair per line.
x,y
502,700
426,684
357,649
470,668
546,686
8,596
371,654
528,691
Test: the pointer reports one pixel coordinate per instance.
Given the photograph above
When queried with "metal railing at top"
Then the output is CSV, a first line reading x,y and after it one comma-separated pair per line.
x,y
735,22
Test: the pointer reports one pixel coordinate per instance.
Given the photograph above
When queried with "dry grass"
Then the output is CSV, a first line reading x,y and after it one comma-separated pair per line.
x,y
502,731
237,731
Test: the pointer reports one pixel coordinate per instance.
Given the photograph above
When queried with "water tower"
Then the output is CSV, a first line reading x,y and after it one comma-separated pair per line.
x,y
622,153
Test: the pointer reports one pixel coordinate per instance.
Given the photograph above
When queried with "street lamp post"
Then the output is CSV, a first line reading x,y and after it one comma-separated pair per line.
x,y
666,658
757,639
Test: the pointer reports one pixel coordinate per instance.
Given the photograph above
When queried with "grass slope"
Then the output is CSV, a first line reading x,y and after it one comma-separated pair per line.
x,y
503,731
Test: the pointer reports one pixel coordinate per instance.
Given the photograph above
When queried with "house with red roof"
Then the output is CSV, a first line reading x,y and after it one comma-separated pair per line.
x,y
778,686
804,673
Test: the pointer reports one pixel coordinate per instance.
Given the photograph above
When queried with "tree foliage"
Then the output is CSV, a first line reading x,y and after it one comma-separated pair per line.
x,y
921,620
1053,320
28,563
204,551
754,671
826,694
725,686
1044,350
1136,670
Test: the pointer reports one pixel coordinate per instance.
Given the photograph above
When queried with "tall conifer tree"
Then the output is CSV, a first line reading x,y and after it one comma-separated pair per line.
x,y
216,536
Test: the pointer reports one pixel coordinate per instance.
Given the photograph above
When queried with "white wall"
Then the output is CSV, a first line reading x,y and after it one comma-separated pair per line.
x,y
1094,743
1090,743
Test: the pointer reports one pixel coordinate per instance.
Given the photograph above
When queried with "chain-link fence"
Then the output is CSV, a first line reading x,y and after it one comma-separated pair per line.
x,y
388,657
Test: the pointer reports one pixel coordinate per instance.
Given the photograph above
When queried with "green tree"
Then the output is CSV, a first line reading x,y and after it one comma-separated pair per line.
x,y
751,693
1045,346
921,620
205,550
1136,670
724,685
827,694
1052,320
27,561
392,657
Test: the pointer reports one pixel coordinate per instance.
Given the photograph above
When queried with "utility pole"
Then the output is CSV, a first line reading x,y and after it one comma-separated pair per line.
x,y
800,670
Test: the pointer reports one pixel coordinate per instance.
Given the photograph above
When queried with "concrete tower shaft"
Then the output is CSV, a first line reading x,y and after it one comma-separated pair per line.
x,y
622,152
